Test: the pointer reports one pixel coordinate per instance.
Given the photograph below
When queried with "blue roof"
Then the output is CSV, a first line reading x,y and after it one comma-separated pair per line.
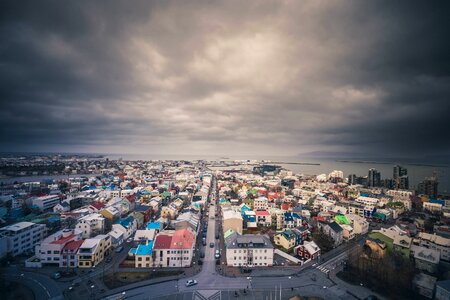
x,y
145,249
125,222
288,216
132,251
439,201
154,225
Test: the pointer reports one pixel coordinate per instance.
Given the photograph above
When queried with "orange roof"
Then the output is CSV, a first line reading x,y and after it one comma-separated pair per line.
x,y
64,240
262,213
162,241
73,245
182,239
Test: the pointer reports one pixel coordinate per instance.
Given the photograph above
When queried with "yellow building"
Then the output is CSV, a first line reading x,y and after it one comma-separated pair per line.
x,y
93,251
285,239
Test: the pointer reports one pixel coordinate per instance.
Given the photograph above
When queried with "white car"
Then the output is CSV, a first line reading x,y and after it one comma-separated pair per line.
x,y
191,282
129,240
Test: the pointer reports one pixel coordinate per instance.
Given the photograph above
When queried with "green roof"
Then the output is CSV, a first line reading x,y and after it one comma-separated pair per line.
x,y
341,219
228,233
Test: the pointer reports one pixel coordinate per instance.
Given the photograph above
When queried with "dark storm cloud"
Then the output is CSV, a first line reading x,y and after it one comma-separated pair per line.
x,y
261,77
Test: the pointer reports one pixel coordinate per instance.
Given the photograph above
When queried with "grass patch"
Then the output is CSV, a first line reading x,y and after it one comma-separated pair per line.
x,y
120,279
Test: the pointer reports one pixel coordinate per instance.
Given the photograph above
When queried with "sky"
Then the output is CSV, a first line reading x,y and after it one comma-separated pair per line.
x,y
225,77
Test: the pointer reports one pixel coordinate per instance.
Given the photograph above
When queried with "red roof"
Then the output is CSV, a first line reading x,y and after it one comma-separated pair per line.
x,y
131,198
98,205
73,245
182,239
262,213
64,240
162,241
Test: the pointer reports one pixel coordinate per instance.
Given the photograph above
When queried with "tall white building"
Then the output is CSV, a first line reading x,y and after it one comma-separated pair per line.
x,y
91,225
46,202
22,237
50,250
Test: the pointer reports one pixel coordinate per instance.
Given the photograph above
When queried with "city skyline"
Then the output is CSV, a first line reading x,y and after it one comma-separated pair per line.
x,y
253,78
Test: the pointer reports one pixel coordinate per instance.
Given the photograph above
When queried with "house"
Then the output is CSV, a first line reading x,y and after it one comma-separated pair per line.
x,y
91,225
285,239
117,237
127,225
174,248
249,217
263,218
347,232
64,206
333,230
21,237
309,250
249,250
144,255
69,254
145,210
232,220
291,220
301,234
442,290
169,212
50,249
359,224
93,251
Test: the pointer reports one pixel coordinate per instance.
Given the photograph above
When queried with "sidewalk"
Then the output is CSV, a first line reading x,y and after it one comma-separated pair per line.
x,y
357,291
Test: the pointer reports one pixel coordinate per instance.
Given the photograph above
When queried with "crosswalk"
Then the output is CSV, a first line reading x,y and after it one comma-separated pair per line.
x,y
323,269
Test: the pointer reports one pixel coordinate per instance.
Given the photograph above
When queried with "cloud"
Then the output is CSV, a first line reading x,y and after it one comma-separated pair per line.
x,y
259,77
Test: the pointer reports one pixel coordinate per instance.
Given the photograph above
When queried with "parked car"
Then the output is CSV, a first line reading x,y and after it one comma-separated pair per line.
x,y
217,254
57,275
118,250
109,259
211,245
204,241
202,254
217,235
191,282
129,240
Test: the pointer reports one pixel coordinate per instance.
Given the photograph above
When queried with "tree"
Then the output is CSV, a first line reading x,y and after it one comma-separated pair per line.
x,y
325,242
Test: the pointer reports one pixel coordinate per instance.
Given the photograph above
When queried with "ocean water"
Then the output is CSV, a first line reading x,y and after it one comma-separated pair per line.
x,y
416,172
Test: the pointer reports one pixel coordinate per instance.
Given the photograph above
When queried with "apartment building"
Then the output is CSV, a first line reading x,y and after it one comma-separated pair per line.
x,y
22,237
144,255
46,202
232,220
174,248
435,242
263,218
91,225
249,250
93,251
261,203
50,249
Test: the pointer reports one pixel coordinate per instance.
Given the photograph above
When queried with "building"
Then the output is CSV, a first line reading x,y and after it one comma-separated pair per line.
x,y
424,284
249,250
442,290
374,178
93,251
91,225
334,231
400,176
359,224
232,220
46,202
22,237
144,255
174,248
261,203
435,242
50,249
429,187
292,220
263,218
426,259
285,239
69,254
309,250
